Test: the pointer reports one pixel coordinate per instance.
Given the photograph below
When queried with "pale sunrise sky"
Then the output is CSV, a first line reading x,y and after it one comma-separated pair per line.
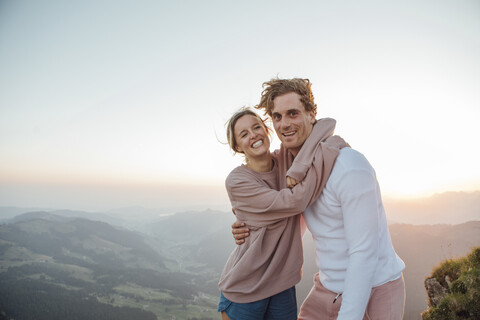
x,y
105,104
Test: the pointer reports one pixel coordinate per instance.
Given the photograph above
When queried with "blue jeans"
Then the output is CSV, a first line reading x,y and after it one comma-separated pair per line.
x,y
281,306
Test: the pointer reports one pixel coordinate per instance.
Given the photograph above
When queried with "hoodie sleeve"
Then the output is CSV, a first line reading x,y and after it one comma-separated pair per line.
x,y
260,204
303,161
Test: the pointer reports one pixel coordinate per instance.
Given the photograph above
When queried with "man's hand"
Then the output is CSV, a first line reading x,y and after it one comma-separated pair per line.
x,y
240,232
292,182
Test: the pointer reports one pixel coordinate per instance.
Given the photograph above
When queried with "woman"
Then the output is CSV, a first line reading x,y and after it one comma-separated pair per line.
x,y
258,281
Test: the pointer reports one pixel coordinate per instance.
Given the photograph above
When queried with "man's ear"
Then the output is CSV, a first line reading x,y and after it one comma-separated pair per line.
x,y
312,117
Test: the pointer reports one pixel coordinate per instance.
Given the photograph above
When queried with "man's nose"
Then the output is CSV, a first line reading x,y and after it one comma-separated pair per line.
x,y
284,123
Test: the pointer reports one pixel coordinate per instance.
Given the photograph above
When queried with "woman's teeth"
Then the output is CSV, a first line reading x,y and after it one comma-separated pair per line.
x,y
257,144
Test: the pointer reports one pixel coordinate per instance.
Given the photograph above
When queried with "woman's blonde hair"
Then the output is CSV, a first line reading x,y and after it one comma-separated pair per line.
x,y
232,142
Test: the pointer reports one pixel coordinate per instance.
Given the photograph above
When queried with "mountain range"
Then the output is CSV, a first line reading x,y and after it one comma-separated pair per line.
x,y
151,264
108,269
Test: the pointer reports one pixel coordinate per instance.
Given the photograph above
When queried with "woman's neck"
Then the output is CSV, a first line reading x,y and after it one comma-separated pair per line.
x,y
264,164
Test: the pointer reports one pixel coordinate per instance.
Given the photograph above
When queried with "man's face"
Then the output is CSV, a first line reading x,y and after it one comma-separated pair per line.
x,y
291,121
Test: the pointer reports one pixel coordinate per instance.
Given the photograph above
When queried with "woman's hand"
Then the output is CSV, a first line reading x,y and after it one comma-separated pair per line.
x,y
292,182
240,232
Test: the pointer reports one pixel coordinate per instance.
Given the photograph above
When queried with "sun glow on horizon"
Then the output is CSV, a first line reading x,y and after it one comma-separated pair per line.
x,y
136,97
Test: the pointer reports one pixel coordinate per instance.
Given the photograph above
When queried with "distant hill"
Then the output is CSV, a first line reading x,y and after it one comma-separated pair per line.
x,y
191,224
206,239
446,208
36,215
454,289
178,258
197,239
8,214
74,238
92,268
442,208
421,247
424,247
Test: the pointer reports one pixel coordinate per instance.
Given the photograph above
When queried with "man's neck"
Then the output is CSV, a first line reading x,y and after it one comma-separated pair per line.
x,y
294,151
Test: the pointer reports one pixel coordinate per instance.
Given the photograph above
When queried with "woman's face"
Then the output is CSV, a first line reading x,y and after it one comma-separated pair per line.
x,y
251,137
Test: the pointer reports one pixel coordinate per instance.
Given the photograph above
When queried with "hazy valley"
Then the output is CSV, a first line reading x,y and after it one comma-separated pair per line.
x,y
135,263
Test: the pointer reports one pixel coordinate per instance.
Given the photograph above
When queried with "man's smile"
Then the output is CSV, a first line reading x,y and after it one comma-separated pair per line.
x,y
288,134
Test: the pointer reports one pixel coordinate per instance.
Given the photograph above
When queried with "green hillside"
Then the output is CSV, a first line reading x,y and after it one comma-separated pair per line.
x,y
57,268
171,269
457,292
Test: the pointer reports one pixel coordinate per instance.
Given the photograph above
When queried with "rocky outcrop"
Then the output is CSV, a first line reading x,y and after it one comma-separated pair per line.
x,y
454,289
435,291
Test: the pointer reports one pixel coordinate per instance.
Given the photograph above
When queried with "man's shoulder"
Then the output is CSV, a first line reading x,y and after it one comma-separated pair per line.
x,y
351,159
351,174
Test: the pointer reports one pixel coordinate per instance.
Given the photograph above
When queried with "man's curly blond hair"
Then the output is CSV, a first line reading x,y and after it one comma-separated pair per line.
x,y
278,87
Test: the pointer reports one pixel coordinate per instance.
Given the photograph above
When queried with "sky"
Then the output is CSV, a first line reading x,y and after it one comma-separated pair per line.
x,y
106,104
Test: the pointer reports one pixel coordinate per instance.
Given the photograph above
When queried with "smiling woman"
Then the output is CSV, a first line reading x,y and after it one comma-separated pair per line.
x,y
248,134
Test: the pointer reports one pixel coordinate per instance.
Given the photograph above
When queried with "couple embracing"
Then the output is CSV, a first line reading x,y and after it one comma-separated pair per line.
x,y
317,179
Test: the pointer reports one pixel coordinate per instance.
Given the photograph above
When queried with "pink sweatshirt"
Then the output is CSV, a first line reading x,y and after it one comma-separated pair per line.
x,y
271,258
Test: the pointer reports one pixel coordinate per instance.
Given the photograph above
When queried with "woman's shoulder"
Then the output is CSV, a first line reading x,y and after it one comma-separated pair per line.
x,y
243,175
238,174
240,170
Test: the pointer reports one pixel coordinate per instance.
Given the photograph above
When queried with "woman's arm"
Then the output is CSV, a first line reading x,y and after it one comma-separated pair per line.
x,y
250,197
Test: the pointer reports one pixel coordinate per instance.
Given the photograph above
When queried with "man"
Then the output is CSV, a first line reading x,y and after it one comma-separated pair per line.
x,y
360,275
